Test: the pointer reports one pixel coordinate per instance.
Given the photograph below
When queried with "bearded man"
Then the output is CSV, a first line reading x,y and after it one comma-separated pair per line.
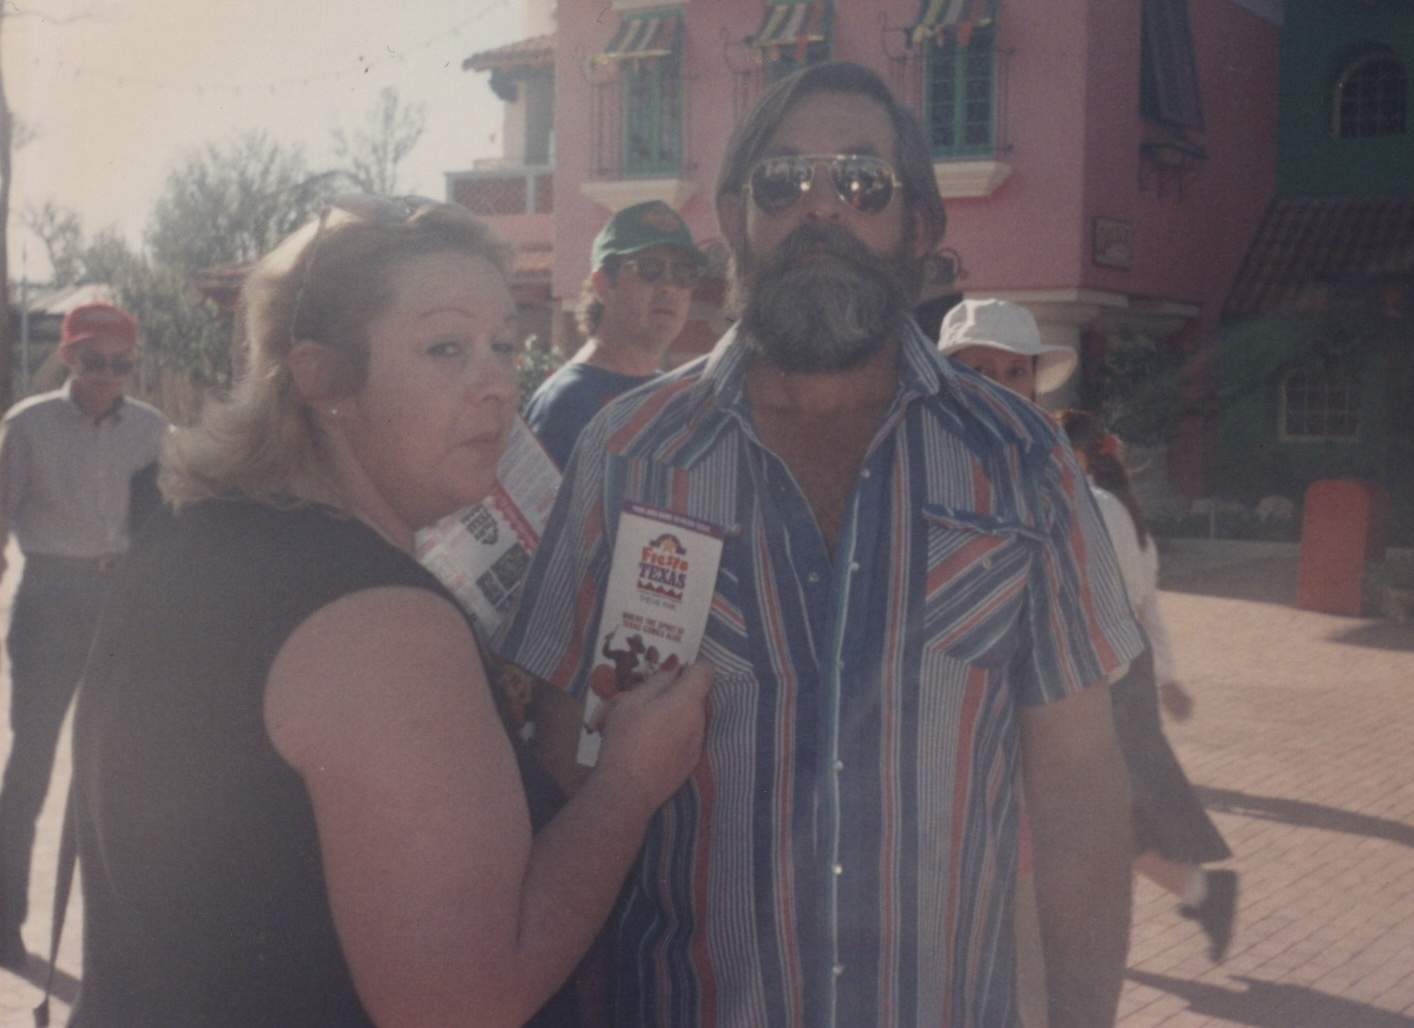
x,y
915,598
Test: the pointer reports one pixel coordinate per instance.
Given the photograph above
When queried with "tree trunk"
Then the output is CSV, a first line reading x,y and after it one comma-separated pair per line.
x,y
7,138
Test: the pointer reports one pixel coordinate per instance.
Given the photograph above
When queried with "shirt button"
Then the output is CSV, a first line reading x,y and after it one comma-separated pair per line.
x,y
865,473
838,970
813,578
854,567
838,765
838,869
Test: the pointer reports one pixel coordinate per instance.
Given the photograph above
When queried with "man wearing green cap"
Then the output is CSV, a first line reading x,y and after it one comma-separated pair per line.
x,y
633,305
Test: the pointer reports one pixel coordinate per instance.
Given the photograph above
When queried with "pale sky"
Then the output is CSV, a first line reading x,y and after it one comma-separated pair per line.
x,y
120,90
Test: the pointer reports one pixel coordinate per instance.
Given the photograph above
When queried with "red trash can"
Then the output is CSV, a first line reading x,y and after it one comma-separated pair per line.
x,y
1343,525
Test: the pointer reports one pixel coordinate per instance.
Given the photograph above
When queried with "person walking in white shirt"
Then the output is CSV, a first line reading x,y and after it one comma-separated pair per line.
x,y
1173,834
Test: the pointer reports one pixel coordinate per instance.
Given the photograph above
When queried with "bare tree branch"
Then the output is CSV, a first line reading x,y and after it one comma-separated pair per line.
x,y
372,154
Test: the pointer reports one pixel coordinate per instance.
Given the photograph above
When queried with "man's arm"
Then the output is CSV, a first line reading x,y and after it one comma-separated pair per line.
x,y
11,485
1077,793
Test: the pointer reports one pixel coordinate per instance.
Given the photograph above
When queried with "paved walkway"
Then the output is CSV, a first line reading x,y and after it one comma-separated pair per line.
x,y
1303,747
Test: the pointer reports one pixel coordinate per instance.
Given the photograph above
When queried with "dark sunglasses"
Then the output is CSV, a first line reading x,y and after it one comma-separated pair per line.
x,y
95,363
862,182
390,210
683,274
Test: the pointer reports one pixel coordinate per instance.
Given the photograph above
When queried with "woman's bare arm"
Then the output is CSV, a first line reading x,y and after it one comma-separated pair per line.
x,y
447,909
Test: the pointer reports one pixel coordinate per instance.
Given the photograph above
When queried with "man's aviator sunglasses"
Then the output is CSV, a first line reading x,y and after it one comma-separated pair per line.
x,y
683,274
862,182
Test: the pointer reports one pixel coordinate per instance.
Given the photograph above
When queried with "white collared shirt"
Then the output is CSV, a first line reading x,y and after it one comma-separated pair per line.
x,y
65,479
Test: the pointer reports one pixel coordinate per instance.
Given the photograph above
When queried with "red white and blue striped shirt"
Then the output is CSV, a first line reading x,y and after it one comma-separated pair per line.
x,y
846,851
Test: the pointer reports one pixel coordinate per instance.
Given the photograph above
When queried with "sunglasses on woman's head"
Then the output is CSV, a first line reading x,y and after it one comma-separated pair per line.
x,y
390,210
683,274
95,363
863,182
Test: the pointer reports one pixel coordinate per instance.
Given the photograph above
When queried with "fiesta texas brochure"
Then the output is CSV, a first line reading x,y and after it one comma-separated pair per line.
x,y
661,582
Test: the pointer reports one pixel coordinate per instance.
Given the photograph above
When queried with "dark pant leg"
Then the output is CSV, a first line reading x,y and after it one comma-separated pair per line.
x,y
50,630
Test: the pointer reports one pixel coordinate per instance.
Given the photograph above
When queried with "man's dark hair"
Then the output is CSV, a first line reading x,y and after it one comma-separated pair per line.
x,y
913,161
589,312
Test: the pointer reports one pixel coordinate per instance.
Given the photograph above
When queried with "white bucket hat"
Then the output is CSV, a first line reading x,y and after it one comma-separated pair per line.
x,y
1006,326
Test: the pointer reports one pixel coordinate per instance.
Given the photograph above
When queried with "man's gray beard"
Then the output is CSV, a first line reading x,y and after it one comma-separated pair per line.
x,y
811,313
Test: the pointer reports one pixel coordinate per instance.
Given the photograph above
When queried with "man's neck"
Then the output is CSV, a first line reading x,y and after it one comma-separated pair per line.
x,y
621,358
807,394
821,425
97,405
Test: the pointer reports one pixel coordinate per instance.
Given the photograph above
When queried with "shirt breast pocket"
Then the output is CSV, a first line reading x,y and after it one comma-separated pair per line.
x,y
977,574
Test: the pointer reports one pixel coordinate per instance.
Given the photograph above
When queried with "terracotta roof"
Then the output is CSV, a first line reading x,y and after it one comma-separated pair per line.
x,y
58,302
538,51
536,262
222,282
1306,244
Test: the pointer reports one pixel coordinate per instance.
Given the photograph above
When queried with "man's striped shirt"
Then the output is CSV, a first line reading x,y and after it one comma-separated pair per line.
x,y
846,851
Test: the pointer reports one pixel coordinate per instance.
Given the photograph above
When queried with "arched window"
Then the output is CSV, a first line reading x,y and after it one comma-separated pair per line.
x,y
1320,403
1371,95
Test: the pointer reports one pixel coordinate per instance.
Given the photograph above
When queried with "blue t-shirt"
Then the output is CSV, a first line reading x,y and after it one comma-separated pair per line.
x,y
569,399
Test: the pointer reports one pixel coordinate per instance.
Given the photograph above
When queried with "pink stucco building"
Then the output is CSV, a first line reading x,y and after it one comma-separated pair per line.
x,y
1104,162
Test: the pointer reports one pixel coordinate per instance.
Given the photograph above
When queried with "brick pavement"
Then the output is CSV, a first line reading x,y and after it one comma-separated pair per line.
x,y
20,992
1302,748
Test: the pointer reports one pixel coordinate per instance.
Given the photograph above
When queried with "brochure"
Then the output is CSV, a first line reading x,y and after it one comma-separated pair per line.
x,y
481,553
659,593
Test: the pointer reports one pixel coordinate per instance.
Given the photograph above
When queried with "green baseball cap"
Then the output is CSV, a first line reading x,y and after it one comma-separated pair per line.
x,y
639,227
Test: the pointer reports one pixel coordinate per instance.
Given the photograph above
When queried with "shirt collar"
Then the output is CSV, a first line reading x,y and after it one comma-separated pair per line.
x,y
116,414
923,373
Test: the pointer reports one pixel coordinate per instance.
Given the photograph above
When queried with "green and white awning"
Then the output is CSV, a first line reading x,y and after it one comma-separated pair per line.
x,y
952,20
645,37
791,24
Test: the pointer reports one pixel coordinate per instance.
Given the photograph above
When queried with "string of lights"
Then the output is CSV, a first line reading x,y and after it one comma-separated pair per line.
x,y
363,65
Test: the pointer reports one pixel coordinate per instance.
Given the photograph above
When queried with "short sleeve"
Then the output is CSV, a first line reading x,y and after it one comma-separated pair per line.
x,y
549,632
1078,628
13,465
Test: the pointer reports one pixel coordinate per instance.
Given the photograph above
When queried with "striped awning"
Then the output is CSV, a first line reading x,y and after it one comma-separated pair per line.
x,y
791,23
952,20
645,37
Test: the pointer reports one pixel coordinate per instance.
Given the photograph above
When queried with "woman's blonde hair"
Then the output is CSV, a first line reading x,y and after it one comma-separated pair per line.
x,y
325,282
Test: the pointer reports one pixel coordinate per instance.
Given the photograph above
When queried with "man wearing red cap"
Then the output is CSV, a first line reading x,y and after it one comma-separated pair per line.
x,y
67,459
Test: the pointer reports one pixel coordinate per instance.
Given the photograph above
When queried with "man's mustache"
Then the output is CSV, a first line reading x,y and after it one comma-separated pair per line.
x,y
821,237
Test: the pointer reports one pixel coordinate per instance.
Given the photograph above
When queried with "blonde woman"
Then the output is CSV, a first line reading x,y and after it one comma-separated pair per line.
x,y
297,795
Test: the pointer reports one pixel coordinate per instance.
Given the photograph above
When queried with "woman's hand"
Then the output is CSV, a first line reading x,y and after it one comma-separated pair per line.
x,y
1176,701
654,732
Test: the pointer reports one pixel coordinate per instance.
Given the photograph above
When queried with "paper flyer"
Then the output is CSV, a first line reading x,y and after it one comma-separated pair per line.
x,y
481,553
661,582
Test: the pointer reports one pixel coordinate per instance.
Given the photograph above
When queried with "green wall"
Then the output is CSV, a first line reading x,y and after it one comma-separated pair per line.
x,y
1318,38
1253,459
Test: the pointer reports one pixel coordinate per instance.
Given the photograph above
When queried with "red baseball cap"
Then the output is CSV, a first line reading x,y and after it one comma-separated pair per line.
x,y
97,319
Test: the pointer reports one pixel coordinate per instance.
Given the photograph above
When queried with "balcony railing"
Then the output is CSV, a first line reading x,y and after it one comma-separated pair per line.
x,y
523,190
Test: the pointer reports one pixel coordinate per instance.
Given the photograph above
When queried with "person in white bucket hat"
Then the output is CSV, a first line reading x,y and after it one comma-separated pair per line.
x,y
999,340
